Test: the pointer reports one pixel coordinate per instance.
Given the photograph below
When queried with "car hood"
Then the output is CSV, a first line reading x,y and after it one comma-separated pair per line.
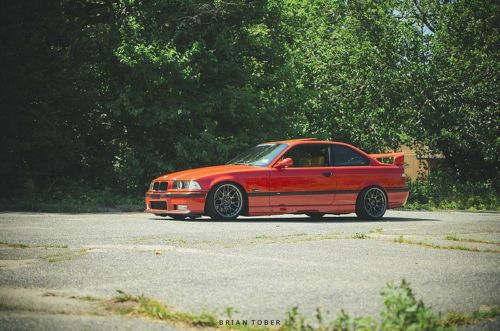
x,y
207,171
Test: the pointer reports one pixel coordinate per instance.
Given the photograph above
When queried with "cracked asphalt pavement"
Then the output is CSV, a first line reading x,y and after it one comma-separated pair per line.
x,y
262,266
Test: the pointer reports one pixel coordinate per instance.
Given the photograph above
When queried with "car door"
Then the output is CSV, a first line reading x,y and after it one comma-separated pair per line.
x,y
352,170
309,182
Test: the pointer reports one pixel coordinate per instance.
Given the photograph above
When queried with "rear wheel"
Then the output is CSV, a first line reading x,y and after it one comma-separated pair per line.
x,y
315,216
225,202
371,203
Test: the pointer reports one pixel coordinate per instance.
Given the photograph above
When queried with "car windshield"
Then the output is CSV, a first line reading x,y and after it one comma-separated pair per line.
x,y
260,155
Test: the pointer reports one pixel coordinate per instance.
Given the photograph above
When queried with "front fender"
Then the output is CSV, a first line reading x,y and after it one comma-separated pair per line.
x,y
226,178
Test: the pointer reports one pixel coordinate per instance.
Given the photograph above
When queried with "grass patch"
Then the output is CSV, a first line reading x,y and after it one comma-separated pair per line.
x,y
376,230
296,234
359,236
142,306
13,245
401,311
402,240
460,318
293,235
180,242
55,246
300,237
24,246
470,240
65,256
89,298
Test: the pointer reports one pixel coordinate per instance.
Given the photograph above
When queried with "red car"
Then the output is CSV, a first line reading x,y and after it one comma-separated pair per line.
x,y
301,176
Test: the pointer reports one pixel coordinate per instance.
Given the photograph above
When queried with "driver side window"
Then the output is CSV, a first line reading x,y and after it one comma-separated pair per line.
x,y
345,156
309,155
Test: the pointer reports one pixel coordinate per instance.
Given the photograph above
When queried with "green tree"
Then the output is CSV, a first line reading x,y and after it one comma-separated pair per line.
x,y
112,93
360,61
53,86
201,80
460,112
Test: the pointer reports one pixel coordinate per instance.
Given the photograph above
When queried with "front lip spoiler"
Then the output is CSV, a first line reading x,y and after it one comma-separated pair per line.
x,y
175,195
173,212
161,211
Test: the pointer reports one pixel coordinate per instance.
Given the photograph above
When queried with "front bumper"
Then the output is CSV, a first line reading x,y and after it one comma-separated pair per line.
x,y
175,202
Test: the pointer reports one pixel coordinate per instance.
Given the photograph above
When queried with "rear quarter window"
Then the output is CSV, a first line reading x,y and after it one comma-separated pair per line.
x,y
344,156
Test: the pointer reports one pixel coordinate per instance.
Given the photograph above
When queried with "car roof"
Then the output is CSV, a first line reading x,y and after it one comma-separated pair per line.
x,y
293,142
303,140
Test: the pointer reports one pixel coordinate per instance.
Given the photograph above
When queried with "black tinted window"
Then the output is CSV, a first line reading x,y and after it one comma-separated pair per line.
x,y
345,156
309,155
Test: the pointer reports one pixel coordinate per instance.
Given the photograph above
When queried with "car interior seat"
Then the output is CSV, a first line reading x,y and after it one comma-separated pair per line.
x,y
317,161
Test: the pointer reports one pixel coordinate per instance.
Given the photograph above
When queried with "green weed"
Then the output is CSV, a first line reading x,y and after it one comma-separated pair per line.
x,y
154,309
402,311
460,318
359,236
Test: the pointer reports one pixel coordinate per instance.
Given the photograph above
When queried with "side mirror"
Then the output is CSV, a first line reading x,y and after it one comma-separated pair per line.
x,y
285,163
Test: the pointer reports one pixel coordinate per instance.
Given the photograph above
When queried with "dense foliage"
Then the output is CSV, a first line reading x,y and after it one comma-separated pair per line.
x,y
440,191
112,93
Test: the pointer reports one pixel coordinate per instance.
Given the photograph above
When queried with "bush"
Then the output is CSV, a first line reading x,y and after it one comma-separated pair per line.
x,y
402,312
440,190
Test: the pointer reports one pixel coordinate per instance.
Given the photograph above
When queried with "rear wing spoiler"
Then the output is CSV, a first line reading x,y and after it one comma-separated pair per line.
x,y
397,158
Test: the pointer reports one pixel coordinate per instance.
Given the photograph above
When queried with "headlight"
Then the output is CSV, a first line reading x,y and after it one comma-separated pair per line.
x,y
186,185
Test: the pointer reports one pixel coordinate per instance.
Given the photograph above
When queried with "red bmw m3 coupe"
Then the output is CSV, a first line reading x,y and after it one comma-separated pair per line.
x,y
300,176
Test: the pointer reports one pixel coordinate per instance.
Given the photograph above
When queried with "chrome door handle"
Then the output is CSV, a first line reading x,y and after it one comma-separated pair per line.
x,y
327,174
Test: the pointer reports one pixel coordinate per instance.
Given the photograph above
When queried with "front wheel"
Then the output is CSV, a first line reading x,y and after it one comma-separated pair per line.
x,y
225,202
371,203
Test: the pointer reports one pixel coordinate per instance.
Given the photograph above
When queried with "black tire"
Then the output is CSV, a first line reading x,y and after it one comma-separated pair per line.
x,y
225,202
315,216
371,203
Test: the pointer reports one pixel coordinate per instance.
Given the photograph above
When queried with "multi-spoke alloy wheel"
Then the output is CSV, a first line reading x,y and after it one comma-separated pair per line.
x,y
372,203
225,202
